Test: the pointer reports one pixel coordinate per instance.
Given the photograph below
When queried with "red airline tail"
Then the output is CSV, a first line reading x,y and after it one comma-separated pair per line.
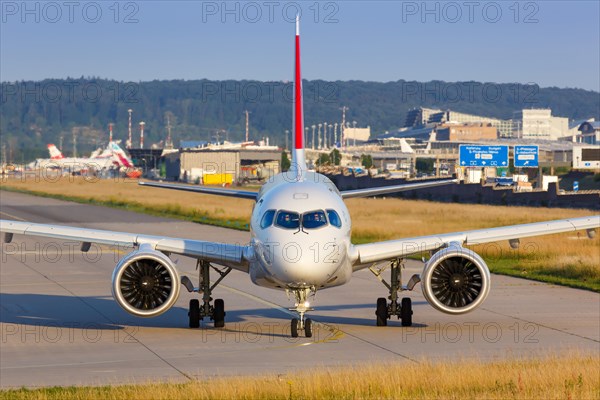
x,y
298,156
55,153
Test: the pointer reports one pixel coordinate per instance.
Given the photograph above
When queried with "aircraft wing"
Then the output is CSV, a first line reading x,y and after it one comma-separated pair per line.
x,y
244,194
366,254
230,255
347,194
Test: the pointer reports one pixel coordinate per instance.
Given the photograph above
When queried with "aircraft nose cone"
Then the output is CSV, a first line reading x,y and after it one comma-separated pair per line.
x,y
306,266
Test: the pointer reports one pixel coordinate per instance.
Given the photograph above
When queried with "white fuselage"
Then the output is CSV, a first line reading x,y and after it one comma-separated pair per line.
x,y
308,250
75,164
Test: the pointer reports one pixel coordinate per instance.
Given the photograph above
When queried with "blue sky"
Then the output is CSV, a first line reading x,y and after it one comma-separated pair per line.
x,y
551,43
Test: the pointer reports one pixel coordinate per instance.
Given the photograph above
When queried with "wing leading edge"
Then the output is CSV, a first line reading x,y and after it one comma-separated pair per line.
x,y
366,254
230,255
348,194
243,194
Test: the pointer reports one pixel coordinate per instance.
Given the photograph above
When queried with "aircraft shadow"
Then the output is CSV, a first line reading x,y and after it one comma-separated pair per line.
x,y
341,320
93,312
341,307
103,313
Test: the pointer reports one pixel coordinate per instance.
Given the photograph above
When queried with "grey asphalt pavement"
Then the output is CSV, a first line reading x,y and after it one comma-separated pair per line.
x,y
60,326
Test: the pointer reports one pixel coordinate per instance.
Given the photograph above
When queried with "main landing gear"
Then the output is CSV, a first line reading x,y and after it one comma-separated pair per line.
x,y
402,309
302,306
215,312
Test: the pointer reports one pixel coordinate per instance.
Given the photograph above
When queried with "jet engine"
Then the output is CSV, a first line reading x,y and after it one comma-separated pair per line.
x,y
455,280
145,283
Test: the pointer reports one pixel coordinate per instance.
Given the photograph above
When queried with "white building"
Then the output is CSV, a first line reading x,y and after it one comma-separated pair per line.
x,y
353,135
586,157
538,123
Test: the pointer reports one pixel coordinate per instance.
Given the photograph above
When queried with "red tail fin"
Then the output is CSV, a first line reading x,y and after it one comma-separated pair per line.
x,y
55,154
298,157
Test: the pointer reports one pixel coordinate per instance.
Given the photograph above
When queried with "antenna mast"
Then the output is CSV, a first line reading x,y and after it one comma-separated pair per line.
x,y
247,124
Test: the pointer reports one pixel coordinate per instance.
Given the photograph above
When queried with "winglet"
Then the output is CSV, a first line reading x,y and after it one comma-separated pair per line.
x,y
298,157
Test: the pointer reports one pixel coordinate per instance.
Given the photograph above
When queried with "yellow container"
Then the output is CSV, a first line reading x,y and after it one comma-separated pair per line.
x,y
217,179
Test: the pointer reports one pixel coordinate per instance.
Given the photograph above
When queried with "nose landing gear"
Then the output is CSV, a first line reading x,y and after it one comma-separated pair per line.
x,y
302,306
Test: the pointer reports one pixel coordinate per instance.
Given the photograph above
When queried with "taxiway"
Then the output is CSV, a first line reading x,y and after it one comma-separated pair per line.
x,y
60,326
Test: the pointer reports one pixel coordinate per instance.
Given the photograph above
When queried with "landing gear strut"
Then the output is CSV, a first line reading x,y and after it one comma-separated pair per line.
x,y
402,309
302,306
196,312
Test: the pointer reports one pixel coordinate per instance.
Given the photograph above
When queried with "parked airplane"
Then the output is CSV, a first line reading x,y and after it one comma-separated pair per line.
x,y
300,243
112,156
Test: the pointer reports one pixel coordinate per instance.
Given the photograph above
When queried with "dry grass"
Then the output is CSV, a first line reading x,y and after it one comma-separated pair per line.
x,y
554,377
128,189
570,255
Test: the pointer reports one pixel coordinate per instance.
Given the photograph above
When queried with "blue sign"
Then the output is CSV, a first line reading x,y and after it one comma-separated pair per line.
x,y
483,156
576,186
526,156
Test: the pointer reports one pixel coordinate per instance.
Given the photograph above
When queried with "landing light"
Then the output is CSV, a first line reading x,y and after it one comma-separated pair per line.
x,y
306,304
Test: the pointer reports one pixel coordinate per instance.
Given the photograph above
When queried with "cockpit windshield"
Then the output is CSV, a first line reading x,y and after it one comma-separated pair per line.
x,y
292,220
267,219
334,218
288,220
314,219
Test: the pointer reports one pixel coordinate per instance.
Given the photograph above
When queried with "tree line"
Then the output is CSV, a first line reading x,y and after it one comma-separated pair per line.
x,y
35,113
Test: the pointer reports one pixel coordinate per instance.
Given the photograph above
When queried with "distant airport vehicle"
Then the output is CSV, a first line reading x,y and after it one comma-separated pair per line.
x,y
504,181
300,243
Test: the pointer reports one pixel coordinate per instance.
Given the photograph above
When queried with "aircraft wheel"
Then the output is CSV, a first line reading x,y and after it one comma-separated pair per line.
x,y
194,313
406,311
308,327
382,312
294,327
219,313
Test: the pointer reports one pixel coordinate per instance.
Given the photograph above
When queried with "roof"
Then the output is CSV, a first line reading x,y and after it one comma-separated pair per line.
x,y
409,133
191,144
577,123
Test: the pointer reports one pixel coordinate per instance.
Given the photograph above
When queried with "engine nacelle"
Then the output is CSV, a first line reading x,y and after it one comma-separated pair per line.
x,y
455,280
145,283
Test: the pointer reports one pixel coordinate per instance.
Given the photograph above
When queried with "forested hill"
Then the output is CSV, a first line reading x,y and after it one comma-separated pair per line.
x,y
36,113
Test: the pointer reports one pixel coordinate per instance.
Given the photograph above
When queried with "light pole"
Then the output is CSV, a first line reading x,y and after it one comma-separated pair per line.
x,y
329,140
306,136
335,134
319,135
313,136
142,134
129,138
343,125
354,133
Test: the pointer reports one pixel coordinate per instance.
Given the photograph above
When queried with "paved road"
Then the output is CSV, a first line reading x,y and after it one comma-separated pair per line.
x,y
60,326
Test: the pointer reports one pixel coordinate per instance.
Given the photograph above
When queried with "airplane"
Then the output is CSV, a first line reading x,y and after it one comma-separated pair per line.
x,y
300,243
109,157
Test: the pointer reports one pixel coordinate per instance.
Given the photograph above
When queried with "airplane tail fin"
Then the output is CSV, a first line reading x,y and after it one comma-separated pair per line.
x,y
55,153
120,156
298,166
